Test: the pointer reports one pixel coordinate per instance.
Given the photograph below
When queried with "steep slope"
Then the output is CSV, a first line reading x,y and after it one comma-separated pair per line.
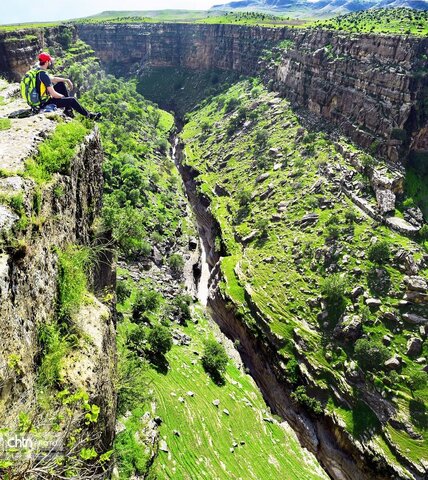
x,y
325,294
58,351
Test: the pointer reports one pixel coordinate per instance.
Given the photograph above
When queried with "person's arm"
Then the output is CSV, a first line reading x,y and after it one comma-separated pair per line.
x,y
60,79
53,93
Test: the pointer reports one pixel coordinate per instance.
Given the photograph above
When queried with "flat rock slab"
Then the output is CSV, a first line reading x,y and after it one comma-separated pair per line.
x,y
401,225
20,141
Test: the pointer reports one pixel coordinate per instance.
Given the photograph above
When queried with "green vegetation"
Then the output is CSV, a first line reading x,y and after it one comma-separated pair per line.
x,y
404,21
5,124
56,152
370,354
73,262
277,257
214,359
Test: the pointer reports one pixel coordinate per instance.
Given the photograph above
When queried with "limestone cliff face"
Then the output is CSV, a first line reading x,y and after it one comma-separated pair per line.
x,y
60,213
372,86
19,48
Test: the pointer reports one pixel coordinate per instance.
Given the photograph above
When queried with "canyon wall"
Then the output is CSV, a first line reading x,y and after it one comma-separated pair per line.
x,y
373,87
38,222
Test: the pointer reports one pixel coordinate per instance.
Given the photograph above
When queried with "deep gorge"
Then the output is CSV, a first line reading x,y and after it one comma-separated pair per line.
x,y
370,82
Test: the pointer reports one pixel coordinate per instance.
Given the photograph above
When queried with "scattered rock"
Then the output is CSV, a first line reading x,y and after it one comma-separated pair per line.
x,y
216,402
415,319
250,237
181,399
405,262
193,243
262,177
415,283
414,347
190,393
373,302
414,216
393,363
357,292
349,329
163,446
268,419
226,411
157,420
386,340
309,219
176,433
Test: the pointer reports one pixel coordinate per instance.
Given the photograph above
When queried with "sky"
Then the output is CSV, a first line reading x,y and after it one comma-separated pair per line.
x,y
44,11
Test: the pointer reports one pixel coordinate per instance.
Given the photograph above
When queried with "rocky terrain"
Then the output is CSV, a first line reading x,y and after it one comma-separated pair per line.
x,y
317,249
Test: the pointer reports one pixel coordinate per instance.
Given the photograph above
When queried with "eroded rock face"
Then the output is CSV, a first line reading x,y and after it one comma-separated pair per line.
x,y
364,84
28,288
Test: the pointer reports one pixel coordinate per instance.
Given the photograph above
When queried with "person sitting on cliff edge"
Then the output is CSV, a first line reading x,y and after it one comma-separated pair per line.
x,y
53,90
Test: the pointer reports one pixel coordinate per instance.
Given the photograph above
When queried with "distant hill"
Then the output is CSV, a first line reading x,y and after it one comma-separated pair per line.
x,y
320,7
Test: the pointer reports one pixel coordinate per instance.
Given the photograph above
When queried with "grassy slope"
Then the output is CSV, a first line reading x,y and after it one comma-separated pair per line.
x,y
382,20
282,280
202,450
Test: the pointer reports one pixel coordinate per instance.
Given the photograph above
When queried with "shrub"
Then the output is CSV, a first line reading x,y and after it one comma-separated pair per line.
x,y
299,395
423,232
379,252
146,301
123,291
333,288
160,339
214,359
261,139
231,104
370,354
182,304
417,381
176,263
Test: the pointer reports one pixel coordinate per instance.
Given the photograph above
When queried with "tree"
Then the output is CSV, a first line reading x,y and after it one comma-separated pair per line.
x,y
214,359
160,340
370,354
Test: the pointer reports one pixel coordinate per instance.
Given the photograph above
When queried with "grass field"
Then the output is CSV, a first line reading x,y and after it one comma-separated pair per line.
x,y
204,449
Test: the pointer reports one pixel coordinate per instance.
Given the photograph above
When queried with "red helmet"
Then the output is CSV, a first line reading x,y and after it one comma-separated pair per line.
x,y
45,57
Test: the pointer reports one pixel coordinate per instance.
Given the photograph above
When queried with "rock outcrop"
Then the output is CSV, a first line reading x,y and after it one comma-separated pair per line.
x,y
371,86
53,215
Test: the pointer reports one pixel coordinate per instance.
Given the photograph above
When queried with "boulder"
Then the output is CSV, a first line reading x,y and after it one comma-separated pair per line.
x,y
349,329
163,446
405,262
415,319
262,177
393,363
414,347
415,283
373,302
414,216
309,219
385,200
357,292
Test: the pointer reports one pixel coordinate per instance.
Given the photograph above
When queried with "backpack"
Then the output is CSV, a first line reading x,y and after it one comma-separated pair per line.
x,y
29,89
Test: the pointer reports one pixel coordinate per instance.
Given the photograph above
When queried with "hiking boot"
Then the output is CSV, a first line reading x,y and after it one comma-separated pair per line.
x,y
68,112
94,116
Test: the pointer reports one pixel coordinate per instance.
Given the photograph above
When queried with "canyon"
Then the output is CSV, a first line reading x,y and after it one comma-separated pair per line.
x,y
372,88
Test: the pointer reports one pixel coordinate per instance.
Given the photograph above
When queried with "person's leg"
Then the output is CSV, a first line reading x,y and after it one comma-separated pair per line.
x,y
69,102
61,88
